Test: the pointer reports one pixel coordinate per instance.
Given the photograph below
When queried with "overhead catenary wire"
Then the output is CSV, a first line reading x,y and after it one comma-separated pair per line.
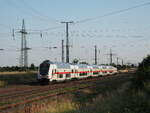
x,y
37,12
28,12
15,6
113,13
5,26
45,29
52,28
34,12
85,20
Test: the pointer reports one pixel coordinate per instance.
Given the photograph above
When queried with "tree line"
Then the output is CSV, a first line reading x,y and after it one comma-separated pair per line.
x,y
32,67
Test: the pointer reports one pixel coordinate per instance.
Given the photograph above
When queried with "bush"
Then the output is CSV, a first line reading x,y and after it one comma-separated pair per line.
x,y
143,73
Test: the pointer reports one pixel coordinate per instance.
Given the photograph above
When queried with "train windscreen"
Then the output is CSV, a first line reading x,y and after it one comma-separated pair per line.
x,y
44,68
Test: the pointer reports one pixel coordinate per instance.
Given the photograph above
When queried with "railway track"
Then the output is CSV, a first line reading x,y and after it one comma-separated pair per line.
x,y
35,89
21,95
30,94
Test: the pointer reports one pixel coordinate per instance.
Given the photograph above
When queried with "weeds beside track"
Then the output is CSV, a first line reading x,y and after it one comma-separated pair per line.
x,y
36,93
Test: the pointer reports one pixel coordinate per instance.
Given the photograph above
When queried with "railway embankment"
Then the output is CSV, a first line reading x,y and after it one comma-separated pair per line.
x,y
106,97
71,96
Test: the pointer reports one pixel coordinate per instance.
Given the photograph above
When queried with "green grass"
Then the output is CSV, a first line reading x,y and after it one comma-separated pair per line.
x,y
115,96
4,103
112,95
69,89
101,99
15,79
3,83
62,107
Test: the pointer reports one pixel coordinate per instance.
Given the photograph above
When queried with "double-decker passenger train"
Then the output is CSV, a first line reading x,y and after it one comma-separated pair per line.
x,y
50,71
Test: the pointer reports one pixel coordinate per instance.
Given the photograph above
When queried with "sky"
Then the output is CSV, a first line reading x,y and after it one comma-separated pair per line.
x,y
122,25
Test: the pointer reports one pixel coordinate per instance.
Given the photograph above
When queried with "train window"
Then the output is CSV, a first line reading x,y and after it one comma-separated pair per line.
x,y
60,75
67,75
104,67
72,70
83,74
44,68
95,73
52,72
76,71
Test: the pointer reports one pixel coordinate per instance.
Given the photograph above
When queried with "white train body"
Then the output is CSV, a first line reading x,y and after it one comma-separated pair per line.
x,y
62,71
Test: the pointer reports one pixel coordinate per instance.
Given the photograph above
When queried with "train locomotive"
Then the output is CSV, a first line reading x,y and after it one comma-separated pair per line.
x,y
50,71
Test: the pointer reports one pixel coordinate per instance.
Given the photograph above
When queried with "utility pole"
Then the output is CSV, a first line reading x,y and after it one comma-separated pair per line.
x,y
67,40
111,56
122,62
99,56
117,61
24,49
23,60
95,55
62,57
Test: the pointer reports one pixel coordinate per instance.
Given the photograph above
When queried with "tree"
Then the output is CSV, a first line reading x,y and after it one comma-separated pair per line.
x,y
83,62
143,72
32,67
145,64
75,61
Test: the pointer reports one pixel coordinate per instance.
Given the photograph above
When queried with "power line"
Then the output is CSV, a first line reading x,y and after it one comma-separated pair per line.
x,y
37,12
5,26
114,12
52,28
14,5
46,29
22,10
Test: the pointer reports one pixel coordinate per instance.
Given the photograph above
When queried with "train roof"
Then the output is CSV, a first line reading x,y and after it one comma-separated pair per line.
x,y
95,66
71,66
82,65
47,61
63,65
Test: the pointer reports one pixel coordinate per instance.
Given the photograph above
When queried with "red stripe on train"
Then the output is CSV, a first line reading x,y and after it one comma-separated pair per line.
x,y
81,72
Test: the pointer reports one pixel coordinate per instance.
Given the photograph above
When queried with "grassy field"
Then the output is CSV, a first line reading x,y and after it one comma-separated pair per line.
x,y
15,78
100,98
107,97
113,95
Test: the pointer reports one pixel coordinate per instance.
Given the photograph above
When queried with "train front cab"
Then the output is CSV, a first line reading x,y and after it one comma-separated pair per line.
x,y
44,71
